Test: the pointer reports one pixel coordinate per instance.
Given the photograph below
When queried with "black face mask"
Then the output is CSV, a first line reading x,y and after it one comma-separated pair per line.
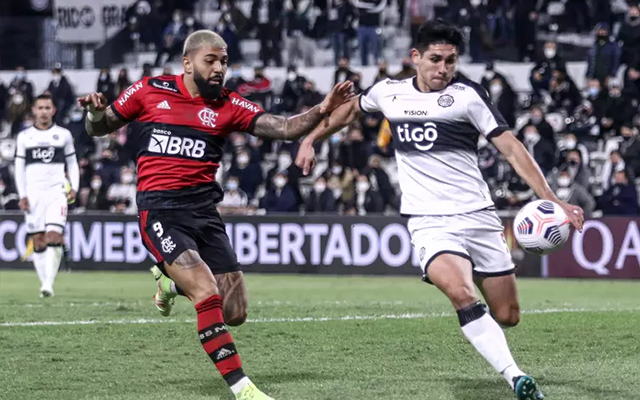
x,y
602,39
573,163
206,90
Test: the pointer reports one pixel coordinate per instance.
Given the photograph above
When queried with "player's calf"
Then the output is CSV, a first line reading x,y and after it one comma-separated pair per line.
x,y
234,297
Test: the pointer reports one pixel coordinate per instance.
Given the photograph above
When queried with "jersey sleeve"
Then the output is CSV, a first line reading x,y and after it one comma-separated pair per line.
x,y
69,148
245,113
484,115
21,150
130,103
368,100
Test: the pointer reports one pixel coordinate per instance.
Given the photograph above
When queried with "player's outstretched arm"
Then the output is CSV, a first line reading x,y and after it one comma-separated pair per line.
x,y
339,118
528,169
293,128
101,120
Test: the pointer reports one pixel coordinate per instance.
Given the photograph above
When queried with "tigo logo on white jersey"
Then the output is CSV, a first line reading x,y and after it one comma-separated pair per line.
x,y
208,117
164,105
44,155
174,145
418,135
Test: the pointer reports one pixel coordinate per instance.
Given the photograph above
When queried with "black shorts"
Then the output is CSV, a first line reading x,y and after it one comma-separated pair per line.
x,y
168,233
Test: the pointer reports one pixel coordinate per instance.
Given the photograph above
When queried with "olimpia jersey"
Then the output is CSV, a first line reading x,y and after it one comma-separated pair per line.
x,y
45,154
436,139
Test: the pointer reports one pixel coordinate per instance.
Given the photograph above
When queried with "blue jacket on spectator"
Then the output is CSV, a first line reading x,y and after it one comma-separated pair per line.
x,y
620,199
604,56
285,201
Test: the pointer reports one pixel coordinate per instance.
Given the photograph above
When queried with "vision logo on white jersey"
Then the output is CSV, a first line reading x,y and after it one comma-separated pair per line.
x,y
174,145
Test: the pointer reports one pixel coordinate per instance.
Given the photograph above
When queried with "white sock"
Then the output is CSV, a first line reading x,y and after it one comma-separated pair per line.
x,y
53,255
238,387
39,263
488,338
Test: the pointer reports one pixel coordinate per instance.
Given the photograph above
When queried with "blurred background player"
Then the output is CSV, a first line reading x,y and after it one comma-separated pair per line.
x,y
184,121
436,119
42,151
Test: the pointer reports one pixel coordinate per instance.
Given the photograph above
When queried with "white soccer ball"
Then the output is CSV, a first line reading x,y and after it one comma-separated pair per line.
x,y
541,227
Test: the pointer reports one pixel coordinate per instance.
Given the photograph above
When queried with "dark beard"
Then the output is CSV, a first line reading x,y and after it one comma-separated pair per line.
x,y
207,91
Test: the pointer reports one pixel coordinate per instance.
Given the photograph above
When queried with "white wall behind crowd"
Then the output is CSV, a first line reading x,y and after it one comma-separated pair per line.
x,y
84,81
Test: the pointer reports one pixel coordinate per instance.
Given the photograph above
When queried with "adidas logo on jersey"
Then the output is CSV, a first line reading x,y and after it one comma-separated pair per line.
x,y
224,353
174,145
164,105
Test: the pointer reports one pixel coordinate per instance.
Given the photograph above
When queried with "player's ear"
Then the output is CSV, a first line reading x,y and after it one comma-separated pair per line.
x,y
415,56
187,65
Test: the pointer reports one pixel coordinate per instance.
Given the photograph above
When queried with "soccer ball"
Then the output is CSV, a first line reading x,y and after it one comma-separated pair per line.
x,y
541,227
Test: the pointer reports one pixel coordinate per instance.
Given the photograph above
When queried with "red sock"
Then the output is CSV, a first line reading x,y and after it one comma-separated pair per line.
x,y
217,341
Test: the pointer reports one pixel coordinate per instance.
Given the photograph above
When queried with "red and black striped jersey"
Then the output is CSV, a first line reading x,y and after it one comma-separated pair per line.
x,y
181,140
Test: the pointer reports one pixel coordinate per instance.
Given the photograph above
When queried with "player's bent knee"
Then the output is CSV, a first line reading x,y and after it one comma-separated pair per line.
x,y
235,318
508,316
461,296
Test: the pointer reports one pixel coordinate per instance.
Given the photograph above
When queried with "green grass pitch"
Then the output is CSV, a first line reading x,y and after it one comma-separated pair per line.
x,y
311,337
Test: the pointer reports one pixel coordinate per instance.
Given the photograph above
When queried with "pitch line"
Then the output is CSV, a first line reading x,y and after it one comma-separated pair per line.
x,y
142,321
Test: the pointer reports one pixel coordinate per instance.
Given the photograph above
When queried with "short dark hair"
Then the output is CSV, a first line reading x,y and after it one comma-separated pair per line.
x,y
438,32
45,96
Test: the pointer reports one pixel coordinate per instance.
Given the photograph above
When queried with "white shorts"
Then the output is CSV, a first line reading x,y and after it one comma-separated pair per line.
x,y
477,236
47,212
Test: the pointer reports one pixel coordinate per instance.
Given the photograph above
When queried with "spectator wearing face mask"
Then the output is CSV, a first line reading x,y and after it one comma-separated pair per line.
x,y
61,93
354,152
96,195
597,97
578,171
407,71
630,148
21,84
542,150
20,98
503,96
235,201
629,35
367,199
123,81
309,96
84,144
293,89
574,193
543,70
106,86
229,32
285,163
173,39
281,198
377,174
604,56
343,72
565,96
537,119
249,173
124,192
614,164
346,181
617,109
321,199
568,143
621,198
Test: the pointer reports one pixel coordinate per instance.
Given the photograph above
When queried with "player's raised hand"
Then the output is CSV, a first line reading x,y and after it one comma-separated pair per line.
x,y
93,102
575,215
338,95
306,158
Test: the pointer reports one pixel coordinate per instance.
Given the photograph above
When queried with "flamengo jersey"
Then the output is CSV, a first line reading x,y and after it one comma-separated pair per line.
x,y
181,140
44,153
436,139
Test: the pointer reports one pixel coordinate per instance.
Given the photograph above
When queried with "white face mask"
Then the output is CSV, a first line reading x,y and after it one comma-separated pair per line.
x,y
176,18
319,187
17,98
284,160
475,3
337,170
127,178
232,185
21,75
564,181
56,78
95,185
190,21
549,52
489,74
291,76
243,159
2,188
495,89
280,182
531,137
563,193
570,143
362,186
337,193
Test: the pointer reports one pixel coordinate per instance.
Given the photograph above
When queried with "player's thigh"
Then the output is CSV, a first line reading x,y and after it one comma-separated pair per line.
x,y
501,295
35,217
452,274
487,246
55,216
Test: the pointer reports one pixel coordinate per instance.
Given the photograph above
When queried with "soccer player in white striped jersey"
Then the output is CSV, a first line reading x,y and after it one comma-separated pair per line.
x,y
436,119
42,152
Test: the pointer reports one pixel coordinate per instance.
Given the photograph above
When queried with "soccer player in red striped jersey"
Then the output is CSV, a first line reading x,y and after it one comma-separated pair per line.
x,y
184,121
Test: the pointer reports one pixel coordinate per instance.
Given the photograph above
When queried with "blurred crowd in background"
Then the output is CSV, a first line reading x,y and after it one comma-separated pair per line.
x,y
585,141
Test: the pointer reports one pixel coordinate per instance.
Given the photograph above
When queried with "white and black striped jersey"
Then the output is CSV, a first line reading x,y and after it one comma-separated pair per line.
x,y
41,156
435,136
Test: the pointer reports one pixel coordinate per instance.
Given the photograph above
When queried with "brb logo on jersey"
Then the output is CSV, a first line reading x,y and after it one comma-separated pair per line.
x,y
174,145
421,136
44,155
208,117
